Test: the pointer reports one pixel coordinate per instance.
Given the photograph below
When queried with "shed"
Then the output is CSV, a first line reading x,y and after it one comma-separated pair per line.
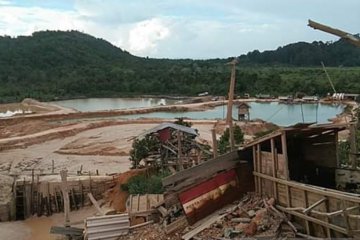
x,y
243,111
297,166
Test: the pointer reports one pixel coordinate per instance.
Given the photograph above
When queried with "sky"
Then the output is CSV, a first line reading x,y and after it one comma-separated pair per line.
x,y
197,29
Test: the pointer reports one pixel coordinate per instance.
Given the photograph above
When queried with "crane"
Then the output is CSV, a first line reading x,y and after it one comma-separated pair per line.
x,y
352,127
347,36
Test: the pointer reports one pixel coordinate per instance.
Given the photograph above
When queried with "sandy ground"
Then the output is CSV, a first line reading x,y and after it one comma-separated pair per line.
x,y
105,149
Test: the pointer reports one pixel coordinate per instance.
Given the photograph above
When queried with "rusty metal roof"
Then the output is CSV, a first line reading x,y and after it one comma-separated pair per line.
x,y
165,125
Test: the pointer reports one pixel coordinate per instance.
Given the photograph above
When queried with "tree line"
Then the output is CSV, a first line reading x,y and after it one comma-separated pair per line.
x,y
52,65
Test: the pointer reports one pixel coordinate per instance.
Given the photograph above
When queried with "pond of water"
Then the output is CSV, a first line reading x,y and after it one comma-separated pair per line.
x,y
278,113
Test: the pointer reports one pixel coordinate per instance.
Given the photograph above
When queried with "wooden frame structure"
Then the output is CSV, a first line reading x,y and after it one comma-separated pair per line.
x,y
321,211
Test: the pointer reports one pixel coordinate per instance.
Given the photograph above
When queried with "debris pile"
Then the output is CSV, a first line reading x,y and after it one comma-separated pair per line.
x,y
253,216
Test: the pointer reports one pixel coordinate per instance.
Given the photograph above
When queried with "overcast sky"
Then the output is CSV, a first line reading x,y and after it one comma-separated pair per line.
x,y
184,28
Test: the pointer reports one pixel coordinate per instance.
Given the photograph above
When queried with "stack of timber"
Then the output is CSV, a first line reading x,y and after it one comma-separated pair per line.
x,y
142,207
45,197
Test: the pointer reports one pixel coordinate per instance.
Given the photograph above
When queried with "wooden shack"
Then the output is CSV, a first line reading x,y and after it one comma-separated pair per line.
x,y
297,166
243,111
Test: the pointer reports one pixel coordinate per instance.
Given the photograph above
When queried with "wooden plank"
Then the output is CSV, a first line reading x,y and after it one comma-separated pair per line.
x,y
95,203
311,188
273,164
258,157
328,230
208,168
178,224
346,218
142,224
307,210
256,178
314,220
307,226
207,223
214,143
284,152
64,188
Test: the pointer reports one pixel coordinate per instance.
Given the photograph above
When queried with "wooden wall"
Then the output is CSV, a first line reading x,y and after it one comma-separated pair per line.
x,y
322,212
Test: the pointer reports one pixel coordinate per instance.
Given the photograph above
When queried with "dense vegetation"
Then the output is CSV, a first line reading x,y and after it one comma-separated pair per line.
x,y
143,184
224,141
54,64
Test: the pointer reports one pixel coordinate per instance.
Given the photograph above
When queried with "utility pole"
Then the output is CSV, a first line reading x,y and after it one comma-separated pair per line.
x,y
229,118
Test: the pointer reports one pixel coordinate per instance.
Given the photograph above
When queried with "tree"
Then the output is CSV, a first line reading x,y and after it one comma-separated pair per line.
x,y
224,141
142,148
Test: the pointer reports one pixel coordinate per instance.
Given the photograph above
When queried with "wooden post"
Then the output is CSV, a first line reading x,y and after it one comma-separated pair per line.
x,y
90,185
255,169
180,160
259,167
352,155
307,225
273,152
284,152
32,192
213,134
231,92
64,188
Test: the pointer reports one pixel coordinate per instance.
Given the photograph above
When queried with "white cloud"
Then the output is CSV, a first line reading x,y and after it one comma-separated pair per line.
x,y
5,2
144,37
185,29
16,21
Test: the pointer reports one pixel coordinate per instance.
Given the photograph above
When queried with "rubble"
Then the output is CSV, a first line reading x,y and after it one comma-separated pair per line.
x,y
253,216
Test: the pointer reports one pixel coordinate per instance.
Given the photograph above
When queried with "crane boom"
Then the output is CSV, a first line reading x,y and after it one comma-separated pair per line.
x,y
347,36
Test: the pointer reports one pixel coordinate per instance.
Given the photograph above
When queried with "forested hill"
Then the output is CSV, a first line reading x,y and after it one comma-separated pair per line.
x,y
339,53
55,64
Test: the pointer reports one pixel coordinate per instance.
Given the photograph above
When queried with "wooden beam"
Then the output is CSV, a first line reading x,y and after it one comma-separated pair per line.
x,y
307,226
180,155
214,143
256,178
273,164
96,205
353,149
314,220
319,190
307,210
64,189
284,152
259,166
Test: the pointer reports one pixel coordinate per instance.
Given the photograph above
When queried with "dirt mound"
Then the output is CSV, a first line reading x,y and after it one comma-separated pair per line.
x,y
116,196
23,127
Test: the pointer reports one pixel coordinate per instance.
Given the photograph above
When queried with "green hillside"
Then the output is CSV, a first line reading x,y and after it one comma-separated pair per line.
x,y
55,65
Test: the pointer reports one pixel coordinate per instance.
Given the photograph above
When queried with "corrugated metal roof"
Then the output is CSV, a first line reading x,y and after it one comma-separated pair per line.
x,y
107,227
162,126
